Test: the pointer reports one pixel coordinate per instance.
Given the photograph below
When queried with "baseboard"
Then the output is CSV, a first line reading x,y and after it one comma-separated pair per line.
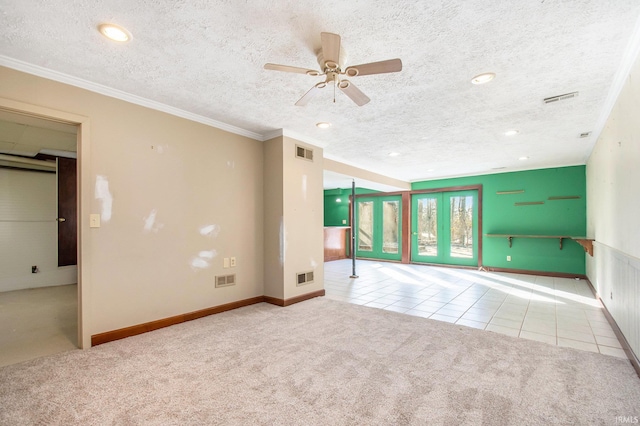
x,y
614,325
134,330
529,272
292,300
109,336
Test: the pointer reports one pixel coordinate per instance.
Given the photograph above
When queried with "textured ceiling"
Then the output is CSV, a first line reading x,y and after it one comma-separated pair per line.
x,y
207,58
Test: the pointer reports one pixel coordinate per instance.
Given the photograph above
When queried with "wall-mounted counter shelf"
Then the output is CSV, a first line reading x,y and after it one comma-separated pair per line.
x,y
586,243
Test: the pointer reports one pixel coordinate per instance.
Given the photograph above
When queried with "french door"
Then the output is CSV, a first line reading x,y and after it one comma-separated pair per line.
x,y
379,230
444,228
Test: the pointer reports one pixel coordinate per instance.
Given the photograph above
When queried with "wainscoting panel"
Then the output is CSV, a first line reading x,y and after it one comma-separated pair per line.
x,y
617,281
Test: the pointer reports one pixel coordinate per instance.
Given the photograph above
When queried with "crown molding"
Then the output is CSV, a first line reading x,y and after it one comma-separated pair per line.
x,y
124,96
272,134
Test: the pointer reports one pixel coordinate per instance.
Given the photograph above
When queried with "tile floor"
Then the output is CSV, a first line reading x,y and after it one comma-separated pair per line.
x,y
37,322
558,311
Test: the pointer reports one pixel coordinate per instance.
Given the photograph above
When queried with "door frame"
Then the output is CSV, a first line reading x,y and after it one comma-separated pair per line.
x,y
405,220
443,241
378,230
479,207
83,189
406,215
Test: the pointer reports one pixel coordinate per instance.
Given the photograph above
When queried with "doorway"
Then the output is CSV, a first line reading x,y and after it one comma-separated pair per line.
x,y
444,228
55,139
379,231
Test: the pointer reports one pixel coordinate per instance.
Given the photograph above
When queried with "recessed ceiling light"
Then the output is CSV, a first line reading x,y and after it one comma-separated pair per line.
x,y
512,132
523,158
323,125
483,78
114,32
394,154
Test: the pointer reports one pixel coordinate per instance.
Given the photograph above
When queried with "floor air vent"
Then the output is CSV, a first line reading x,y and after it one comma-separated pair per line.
x,y
303,278
304,153
225,280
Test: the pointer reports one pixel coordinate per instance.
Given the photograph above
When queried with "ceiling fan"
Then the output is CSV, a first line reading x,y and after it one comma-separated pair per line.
x,y
332,61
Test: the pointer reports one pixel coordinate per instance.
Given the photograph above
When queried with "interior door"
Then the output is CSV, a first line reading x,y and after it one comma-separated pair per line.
x,y
445,228
67,212
379,227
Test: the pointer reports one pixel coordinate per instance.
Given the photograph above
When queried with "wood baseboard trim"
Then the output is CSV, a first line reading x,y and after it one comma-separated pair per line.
x,y
633,359
528,272
292,300
109,336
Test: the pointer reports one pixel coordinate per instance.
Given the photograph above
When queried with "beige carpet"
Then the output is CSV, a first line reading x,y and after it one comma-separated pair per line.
x,y
319,362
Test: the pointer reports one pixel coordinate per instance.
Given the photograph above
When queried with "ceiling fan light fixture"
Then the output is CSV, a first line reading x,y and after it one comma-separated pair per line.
x,y
331,65
115,33
352,72
323,125
483,78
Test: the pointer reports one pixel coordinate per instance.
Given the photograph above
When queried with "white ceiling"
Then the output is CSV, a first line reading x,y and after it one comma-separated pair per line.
x,y
206,58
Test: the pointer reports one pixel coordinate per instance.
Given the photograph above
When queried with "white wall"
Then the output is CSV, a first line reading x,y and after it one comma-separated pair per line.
x,y
184,196
613,211
29,232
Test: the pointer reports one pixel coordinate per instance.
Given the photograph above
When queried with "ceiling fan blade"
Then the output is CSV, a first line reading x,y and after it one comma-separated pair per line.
x,y
331,49
310,94
353,92
287,68
391,65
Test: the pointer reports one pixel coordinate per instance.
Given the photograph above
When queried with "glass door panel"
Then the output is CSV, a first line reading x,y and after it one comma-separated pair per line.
x,y
365,226
427,226
461,232
390,226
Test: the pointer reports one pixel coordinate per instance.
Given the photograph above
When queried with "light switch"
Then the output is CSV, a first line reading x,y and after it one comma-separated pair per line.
x,y
344,221
226,262
94,220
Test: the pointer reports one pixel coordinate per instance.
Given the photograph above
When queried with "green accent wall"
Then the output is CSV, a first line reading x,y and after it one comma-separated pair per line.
x,y
335,212
500,215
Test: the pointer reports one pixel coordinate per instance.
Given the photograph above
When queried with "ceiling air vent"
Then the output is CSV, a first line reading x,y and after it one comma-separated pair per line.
x,y
585,134
304,153
560,97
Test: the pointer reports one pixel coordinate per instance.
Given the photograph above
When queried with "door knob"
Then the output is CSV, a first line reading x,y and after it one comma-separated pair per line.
x,y
61,219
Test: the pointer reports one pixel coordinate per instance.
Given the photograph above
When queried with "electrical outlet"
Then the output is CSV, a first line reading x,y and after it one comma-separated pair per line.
x,y
508,258
225,263
233,262
344,221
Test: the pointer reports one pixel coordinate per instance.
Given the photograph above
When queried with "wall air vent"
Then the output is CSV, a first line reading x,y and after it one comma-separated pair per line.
x,y
560,97
304,153
303,278
225,280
